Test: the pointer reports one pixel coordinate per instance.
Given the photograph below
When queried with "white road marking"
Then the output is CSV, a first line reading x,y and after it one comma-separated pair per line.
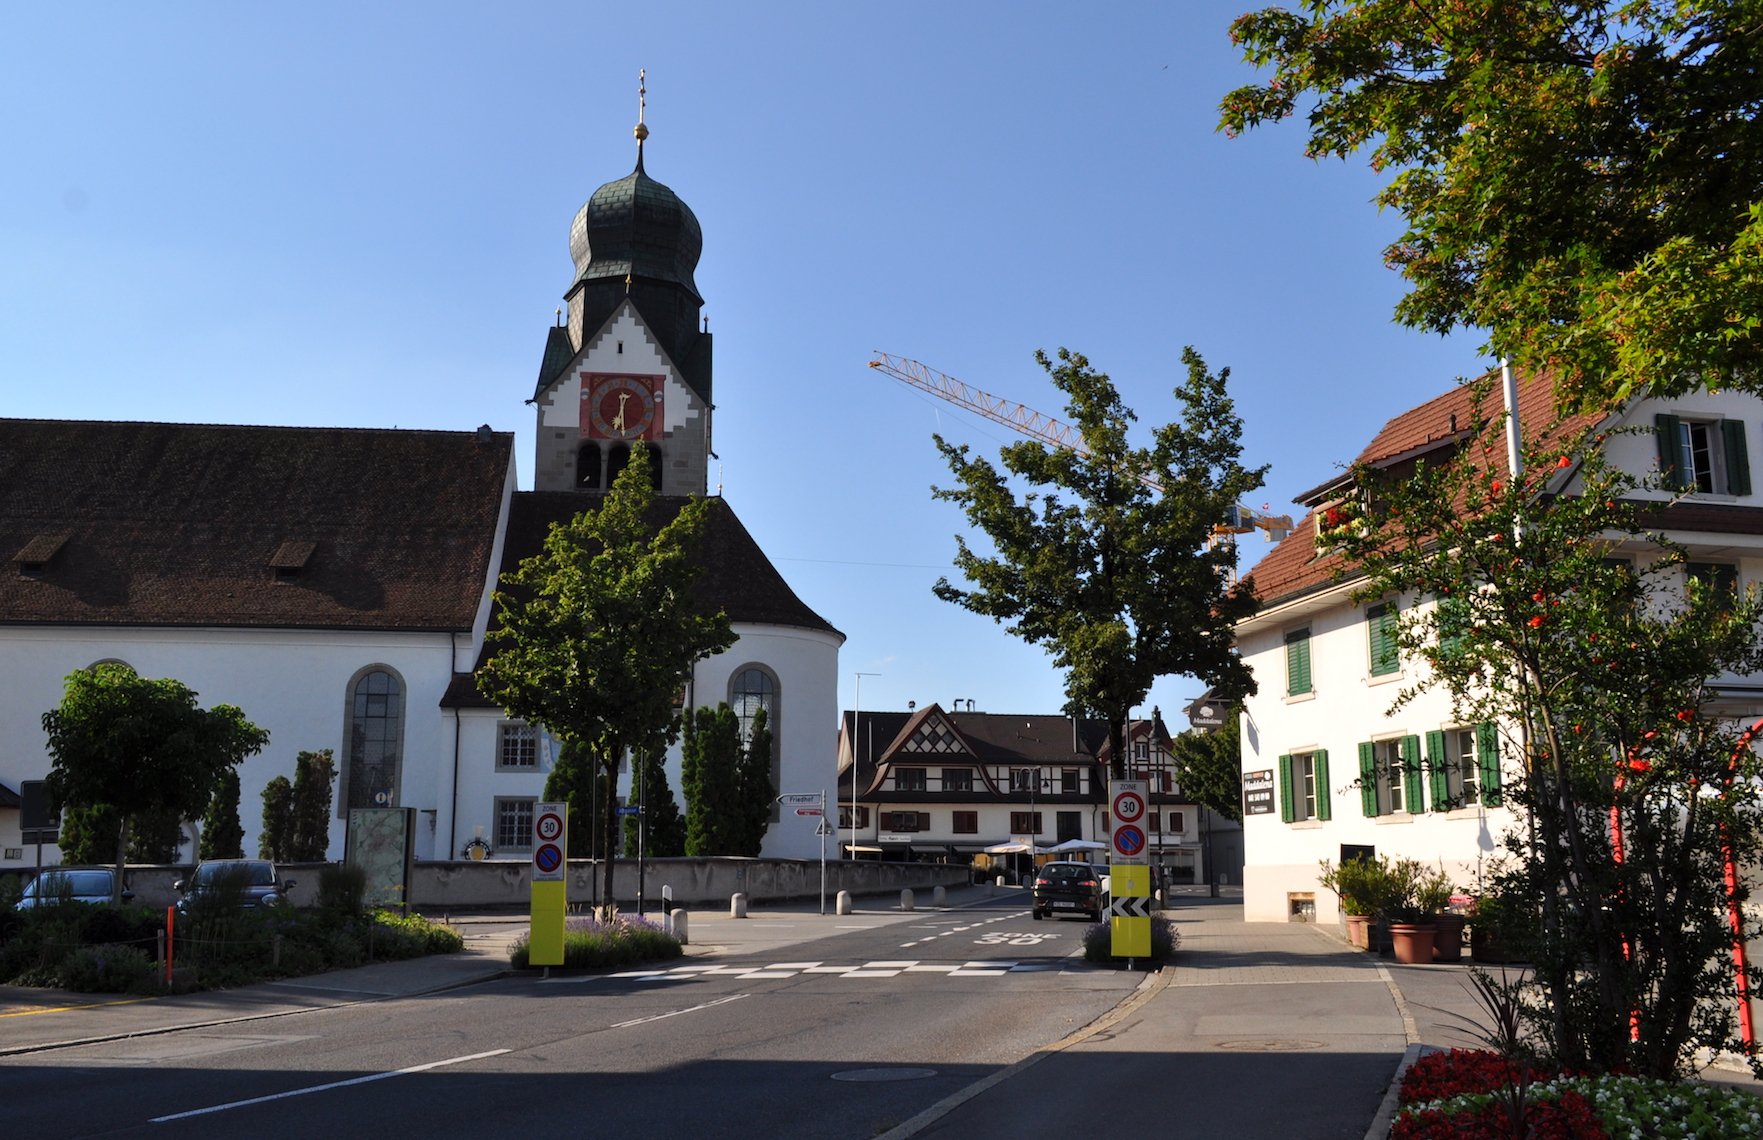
x,y
676,1013
328,1087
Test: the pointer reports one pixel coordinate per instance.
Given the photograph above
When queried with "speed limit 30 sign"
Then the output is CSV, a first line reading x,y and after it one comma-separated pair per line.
x,y
1127,812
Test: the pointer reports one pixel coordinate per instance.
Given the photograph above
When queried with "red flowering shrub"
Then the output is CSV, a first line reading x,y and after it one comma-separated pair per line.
x,y
1571,1117
1439,1076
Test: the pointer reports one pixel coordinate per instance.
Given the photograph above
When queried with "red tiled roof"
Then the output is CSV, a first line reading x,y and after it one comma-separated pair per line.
x,y
184,524
1293,567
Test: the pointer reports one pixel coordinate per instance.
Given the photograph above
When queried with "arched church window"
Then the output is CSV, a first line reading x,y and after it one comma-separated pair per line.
x,y
753,689
618,456
376,740
587,467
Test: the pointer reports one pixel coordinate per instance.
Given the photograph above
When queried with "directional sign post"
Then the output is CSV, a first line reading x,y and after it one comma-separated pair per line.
x,y
1129,878
550,891
812,805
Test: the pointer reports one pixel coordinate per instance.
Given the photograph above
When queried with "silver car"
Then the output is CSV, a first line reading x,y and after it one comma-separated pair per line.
x,y
71,884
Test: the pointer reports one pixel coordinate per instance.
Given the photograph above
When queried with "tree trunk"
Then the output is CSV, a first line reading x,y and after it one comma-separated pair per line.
x,y
610,833
122,858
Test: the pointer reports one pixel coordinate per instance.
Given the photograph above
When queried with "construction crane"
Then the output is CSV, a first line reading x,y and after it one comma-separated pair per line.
x,y
1037,425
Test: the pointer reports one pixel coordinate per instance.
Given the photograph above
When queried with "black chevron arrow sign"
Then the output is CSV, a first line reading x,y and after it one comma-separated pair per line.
x,y
1130,908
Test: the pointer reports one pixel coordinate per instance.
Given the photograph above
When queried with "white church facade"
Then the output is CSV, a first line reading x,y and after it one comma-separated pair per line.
x,y
335,583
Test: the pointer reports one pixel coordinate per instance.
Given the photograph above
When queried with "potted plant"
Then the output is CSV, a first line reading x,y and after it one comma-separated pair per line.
x,y
1357,883
1409,911
1434,898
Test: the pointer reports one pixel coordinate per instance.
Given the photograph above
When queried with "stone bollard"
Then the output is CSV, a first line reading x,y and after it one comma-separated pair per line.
x,y
906,899
737,906
676,919
999,881
842,904
939,897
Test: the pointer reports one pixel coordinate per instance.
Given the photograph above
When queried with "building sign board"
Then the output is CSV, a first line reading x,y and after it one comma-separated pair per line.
x,y
1258,792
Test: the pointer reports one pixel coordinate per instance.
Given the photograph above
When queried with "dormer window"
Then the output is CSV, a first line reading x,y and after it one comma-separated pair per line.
x,y
289,561
34,557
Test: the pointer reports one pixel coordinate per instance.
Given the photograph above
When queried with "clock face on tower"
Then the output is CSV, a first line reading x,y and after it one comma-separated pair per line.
x,y
621,407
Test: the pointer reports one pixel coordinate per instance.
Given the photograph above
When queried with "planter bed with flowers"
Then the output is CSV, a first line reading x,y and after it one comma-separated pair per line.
x,y
1477,1093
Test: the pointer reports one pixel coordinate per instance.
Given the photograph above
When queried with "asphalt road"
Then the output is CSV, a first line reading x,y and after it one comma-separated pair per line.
x,y
845,1034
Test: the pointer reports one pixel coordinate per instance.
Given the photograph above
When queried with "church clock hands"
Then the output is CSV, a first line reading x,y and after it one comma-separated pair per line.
x,y
622,407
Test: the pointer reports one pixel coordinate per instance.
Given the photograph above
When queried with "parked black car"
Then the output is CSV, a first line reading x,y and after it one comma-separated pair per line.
x,y
255,882
1070,888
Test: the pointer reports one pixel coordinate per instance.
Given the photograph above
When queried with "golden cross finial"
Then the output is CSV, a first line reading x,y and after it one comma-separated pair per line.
x,y
642,104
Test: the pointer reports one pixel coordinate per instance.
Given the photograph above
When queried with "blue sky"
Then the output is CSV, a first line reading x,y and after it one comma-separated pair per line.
x,y
357,215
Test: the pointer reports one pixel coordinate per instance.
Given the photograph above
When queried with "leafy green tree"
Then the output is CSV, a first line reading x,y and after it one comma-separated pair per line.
x,y
1580,177
310,810
661,814
1109,564
157,837
710,778
142,746
754,792
223,836
275,839
1551,613
1209,768
599,631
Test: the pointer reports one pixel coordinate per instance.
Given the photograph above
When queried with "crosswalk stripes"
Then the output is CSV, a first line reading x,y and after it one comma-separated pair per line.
x,y
887,968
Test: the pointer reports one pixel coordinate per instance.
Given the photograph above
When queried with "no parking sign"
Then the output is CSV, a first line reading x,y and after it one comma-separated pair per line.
x,y
1127,836
548,849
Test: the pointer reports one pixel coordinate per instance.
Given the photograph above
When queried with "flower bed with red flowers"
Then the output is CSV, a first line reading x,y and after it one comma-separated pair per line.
x,y
1469,1094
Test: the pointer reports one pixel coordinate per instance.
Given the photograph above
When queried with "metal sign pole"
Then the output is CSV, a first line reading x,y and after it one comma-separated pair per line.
x,y
820,829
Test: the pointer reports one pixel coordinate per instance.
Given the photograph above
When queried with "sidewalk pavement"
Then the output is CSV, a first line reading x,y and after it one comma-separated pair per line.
x,y
1254,1029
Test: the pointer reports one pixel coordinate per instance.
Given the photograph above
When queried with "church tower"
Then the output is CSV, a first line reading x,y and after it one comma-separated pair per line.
x,y
629,359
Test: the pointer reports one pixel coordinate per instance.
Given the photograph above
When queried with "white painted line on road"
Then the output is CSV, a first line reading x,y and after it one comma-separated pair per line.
x,y
890,965
826,970
872,973
928,969
964,972
790,965
327,1088
769,974
677,1012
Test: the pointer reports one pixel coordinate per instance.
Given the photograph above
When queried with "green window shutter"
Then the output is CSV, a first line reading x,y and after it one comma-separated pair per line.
x,y
1411,788
1297,662
1738,462
1368,778
1435,766
1320,759
1665,431
1286,792
1487,749
1381,623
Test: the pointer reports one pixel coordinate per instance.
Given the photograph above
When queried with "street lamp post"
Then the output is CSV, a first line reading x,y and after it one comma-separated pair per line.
x,y
856,731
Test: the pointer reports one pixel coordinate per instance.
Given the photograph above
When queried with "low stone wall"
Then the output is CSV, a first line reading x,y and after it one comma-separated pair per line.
x,y
497,884
507,884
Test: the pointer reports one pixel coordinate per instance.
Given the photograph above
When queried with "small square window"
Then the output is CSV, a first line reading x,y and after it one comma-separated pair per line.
x,y
910,779
517,747
514,823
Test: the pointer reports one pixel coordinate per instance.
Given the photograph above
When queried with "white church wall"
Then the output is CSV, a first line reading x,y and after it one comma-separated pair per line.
x,y
292,683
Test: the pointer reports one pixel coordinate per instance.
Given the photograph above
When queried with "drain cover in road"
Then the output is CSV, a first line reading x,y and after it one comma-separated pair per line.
x,y
884,1074
1268,1046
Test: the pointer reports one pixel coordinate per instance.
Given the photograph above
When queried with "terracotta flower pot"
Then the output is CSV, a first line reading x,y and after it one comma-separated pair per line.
x,y
1359,930
1412,942
1447,940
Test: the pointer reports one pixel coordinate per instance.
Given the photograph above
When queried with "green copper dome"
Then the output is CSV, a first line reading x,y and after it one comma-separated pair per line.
x,y
638,228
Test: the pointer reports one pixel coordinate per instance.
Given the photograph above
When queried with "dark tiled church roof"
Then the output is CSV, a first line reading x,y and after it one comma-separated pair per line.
x,y
737,577
197,524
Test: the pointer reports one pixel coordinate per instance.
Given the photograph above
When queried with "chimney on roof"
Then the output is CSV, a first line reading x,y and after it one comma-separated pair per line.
x,y
484,433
